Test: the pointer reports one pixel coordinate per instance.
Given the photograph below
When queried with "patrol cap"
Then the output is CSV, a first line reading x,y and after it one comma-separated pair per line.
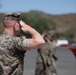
x,y
12,16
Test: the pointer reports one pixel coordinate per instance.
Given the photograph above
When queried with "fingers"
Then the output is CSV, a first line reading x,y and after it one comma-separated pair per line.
x,y
22,23
24,26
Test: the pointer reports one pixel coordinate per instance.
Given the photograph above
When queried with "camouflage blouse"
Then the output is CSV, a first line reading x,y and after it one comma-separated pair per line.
x,y
12,51
46,52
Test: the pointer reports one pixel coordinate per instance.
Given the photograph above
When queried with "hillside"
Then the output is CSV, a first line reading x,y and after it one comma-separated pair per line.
x,y
63,23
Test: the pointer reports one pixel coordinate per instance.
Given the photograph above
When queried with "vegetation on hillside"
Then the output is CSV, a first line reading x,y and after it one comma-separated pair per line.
x,y
64,25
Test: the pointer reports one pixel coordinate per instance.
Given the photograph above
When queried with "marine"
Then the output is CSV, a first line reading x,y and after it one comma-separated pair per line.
x,y
13,47
44,61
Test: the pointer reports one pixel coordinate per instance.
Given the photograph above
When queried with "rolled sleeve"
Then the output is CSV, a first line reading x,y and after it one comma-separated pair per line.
x,y
25,43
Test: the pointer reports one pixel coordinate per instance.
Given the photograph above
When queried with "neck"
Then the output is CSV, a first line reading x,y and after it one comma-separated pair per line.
x,y
10,31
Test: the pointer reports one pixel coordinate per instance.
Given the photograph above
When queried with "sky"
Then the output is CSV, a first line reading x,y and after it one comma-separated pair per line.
x,y
47,6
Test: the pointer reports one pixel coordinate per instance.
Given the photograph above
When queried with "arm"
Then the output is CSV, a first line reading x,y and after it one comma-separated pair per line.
x,y
36,41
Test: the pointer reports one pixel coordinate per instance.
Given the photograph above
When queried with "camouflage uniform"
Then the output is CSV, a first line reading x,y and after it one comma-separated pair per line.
x,y
44,62
53,49
12,51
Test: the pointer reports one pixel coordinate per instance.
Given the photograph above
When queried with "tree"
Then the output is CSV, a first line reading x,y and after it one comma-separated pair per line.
x,y
37,21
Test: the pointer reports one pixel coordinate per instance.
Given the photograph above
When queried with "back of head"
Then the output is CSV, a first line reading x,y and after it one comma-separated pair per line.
x,y
10,17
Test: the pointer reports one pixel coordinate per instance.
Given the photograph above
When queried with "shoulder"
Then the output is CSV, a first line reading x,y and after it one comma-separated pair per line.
x,y
21,42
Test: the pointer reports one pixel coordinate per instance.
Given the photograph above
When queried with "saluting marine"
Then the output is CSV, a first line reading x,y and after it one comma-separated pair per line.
x,y
52,36
12,48
44,62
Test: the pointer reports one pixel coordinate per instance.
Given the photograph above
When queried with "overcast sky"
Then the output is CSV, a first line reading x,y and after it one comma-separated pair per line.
x,y
46,6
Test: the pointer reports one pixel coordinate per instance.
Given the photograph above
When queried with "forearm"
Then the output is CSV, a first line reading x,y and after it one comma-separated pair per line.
x,y
35,34
37,40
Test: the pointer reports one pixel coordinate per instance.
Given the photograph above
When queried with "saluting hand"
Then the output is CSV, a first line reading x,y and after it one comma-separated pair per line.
x,y
26,28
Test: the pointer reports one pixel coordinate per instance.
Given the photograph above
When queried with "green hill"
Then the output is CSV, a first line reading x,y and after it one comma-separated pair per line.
x,y
65,23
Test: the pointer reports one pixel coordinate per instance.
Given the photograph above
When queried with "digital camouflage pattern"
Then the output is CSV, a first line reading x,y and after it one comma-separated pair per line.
x,y
45,59
45,50
12,51
12,16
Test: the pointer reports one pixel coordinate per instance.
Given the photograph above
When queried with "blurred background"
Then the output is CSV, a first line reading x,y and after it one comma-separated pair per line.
x,y
45,15
57,15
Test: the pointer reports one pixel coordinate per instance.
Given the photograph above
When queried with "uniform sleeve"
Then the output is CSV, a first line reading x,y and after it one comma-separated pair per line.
x,y
21,43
